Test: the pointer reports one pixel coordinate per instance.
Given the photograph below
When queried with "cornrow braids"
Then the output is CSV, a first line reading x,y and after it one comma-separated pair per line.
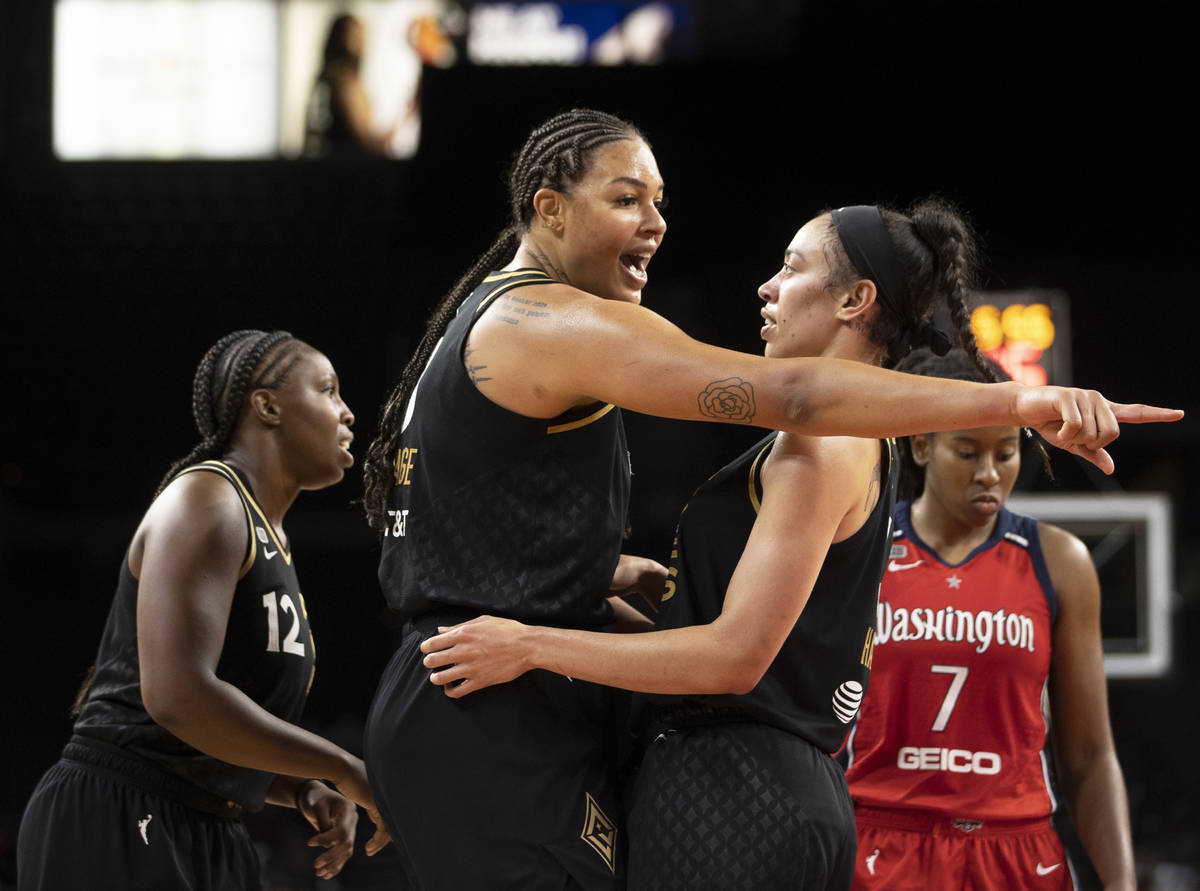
x,y
556,155
229,370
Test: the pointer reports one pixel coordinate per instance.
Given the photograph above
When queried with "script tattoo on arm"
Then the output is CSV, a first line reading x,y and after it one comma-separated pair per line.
x,y
731,399
473,371
513,308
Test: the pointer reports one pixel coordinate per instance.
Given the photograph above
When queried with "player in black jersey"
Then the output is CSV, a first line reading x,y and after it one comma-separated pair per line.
x,y
498,485
206,658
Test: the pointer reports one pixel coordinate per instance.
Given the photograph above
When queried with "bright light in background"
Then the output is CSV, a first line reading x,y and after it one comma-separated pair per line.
x,y
165,79
391,67
616,32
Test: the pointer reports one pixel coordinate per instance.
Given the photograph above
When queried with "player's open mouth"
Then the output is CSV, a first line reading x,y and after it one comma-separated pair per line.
x,y
635,265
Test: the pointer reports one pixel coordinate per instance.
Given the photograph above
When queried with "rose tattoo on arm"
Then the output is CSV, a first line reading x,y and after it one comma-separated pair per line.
x,y
729,400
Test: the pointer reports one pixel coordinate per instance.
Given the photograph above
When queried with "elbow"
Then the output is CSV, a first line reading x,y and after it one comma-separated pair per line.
x,y
740,676
797,405
736,662
166,704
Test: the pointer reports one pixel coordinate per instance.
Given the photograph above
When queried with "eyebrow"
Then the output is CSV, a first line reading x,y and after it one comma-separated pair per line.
x,y
633,182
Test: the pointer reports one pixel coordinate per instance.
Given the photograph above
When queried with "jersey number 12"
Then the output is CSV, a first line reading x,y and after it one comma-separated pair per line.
x,y
291,643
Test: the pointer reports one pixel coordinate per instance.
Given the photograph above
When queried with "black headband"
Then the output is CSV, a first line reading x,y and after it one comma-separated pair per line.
x,y
869,247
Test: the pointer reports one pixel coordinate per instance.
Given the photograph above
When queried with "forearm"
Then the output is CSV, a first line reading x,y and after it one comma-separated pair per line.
x,y
221,721
830,396
627,619
1101,812
683,660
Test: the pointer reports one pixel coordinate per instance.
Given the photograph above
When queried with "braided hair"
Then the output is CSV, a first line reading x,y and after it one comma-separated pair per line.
x,y
556,155
235,365
937,252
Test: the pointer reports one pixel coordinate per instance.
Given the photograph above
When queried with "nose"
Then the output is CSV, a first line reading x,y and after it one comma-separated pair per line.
x,y
769,290
655,223
347,415
987,473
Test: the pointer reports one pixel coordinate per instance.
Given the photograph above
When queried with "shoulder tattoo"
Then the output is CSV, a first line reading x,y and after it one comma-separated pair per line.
x,y
513,308
475,372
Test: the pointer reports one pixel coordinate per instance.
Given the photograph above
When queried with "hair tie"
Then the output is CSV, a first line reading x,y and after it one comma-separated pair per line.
x,y
934,337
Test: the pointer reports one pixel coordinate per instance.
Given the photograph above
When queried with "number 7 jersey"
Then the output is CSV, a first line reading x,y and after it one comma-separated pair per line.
x,y
955,719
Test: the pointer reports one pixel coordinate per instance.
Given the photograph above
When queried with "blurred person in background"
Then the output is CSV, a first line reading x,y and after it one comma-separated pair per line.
x,y
338,120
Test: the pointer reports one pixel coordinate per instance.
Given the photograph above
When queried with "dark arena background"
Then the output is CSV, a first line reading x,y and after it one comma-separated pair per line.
x,y
1065,132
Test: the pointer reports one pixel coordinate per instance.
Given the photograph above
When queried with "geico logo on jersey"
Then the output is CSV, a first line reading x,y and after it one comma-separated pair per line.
x,y
951,624
952,760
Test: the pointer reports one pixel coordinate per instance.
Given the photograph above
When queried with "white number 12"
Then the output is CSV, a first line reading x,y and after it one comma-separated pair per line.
x,y
291,644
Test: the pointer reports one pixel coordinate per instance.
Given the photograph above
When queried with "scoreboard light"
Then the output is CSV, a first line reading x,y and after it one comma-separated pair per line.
x,y
1027,332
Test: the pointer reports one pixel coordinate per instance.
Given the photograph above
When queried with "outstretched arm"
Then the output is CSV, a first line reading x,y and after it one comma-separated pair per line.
x,y
192,543
822,481
551,347
1087,758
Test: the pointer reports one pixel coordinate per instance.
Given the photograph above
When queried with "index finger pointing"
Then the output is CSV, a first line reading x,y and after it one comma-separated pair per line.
x,y
1136,413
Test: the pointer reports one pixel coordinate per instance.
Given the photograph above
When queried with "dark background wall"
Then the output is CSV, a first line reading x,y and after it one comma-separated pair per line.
x,y
1064,134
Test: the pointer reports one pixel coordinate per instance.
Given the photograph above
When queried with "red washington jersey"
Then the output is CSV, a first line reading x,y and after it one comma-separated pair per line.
x,y
956,723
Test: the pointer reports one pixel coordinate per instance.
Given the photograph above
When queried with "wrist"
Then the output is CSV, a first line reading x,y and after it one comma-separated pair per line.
x,y
532,645
1017,395
304,793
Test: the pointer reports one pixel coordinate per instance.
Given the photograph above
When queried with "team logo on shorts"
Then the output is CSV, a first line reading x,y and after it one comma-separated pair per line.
x,y
600,832
846,701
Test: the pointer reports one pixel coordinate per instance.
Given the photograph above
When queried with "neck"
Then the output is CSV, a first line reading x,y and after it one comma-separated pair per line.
x,y
540,256
272,487
853,346
951,539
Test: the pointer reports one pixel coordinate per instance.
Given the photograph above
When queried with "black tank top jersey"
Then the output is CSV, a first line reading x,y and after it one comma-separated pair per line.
x,y
497,512
814,686
268,654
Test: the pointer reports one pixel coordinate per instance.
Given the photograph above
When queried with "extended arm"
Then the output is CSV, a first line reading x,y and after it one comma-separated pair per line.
x,y
819,480
1087,758
572,347
192,544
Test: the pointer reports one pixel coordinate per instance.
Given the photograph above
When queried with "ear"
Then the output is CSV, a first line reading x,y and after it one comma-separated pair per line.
x,y
549,205
857,301
265,407
921,446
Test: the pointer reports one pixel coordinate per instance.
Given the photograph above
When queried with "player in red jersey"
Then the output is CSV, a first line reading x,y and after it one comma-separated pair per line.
x,y
988,638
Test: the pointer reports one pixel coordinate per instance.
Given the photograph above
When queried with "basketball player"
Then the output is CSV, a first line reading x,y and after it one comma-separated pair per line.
x,y
988,644
207,656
